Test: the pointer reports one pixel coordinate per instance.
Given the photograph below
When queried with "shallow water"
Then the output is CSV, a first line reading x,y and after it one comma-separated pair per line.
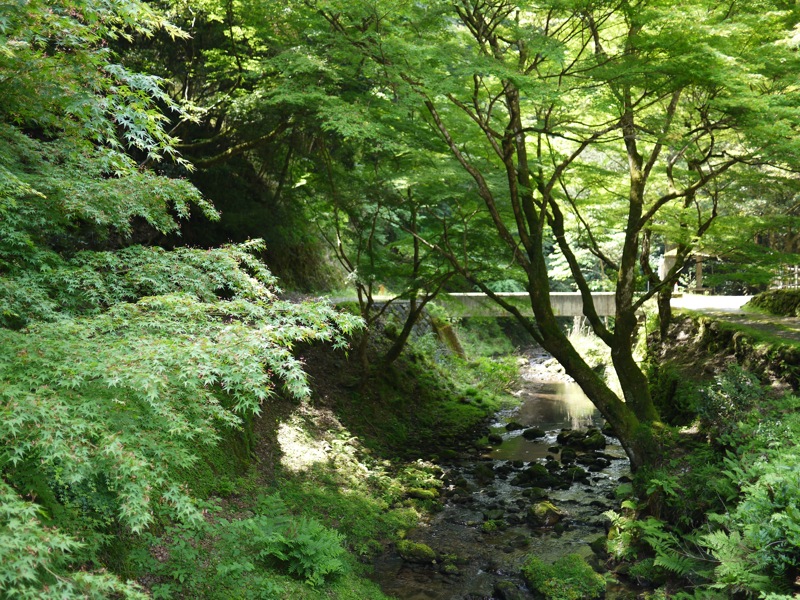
x,y
479,559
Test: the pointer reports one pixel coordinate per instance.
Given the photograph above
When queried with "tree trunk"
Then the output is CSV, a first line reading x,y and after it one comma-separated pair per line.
x,y
664,312
625,422
412,316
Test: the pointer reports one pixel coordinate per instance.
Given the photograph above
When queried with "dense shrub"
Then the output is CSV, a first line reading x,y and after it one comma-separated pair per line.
x,y
722,404
722,517
674,395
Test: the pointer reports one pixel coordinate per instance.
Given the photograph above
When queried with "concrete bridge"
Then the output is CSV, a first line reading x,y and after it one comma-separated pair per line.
x,y
565,304
478,304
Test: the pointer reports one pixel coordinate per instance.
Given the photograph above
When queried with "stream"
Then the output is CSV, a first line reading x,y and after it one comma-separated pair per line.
x,y
483,533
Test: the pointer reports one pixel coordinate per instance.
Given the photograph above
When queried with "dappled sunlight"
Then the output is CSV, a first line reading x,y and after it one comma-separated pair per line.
x,y
300,451
312,439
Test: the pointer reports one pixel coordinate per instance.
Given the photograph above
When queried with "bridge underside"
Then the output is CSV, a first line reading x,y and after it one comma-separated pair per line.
x,y
565,304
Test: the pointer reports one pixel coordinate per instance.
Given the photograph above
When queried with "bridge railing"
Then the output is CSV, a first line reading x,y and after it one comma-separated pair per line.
x,y
477,304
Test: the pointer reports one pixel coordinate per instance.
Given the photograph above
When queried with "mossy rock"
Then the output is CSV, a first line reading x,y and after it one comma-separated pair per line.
x,y
415,552
599,546
535,493
568,455
508,590
575,474
545,514
533,433
422,494
484,472
785,303
493,525
568,578
535,475
592,439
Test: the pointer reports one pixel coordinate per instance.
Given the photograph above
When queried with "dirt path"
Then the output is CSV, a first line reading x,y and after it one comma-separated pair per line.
x,y
729,308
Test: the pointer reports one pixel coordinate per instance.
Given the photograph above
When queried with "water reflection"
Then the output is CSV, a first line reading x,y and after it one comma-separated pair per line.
x,y
552,406
558,405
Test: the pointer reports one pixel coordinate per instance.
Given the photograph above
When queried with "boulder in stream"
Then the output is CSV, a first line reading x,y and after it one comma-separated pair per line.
x,y
568,455
483,472
535,493
415,552
576,474
534,475
594,440
533,433
591,439
545,514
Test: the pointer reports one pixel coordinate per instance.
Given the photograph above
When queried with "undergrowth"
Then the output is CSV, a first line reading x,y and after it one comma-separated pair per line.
x,y
346,475
720,518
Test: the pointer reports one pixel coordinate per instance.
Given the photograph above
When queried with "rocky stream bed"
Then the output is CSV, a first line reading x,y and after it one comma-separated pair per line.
x,y
540,487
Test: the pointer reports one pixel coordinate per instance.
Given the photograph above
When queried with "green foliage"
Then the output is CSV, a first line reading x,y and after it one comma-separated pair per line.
x,y
35,558
722,404
146,383
785,303
304,547
121,365
657,547
245,557
360,500
66,82
734,524
483,337
623,536
568,578
674,395
91,282
758,546
430,402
